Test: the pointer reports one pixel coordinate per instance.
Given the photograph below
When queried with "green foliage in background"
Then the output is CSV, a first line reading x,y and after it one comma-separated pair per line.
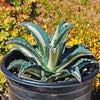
x,y
84,1
16,2
10,16
3,85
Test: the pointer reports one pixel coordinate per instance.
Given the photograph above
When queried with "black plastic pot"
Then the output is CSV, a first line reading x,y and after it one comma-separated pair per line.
x,y
21,89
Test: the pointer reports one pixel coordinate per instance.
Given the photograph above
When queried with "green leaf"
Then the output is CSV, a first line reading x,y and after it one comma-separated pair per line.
x,y
84,61
25,52
62,75
76,73
57,32
52,77
38,51
77,53
27,67
43,77
65,73
63,33
39,34
73,48
36,74
27,48
33,69
70,78
70,57
54,55
28,78
16,64
58,76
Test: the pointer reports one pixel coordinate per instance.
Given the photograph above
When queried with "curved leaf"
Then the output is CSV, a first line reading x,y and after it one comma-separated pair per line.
x,y
28,78
27,48
55,55
16,64
57,32
43,76
33,69
65,73
63,34
39,34
25,52
68,59
27,67
83,62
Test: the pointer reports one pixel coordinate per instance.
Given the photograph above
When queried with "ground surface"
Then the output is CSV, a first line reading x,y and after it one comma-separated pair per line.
x,y
88,12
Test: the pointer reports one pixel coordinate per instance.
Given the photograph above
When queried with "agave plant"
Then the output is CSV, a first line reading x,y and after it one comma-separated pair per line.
x,y
49,61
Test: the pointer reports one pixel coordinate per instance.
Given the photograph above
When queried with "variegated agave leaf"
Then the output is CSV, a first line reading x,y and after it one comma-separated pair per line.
x,y
73,48
43,76
39,34
25,52
72,71
71,55
27,48
16,64
33,69
54,55
29,78
65,73
57,32
61,34
70,78
81,63
29,67
25,66
75,69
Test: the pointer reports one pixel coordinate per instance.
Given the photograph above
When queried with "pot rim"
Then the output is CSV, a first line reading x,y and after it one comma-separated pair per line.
x,y
13,77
